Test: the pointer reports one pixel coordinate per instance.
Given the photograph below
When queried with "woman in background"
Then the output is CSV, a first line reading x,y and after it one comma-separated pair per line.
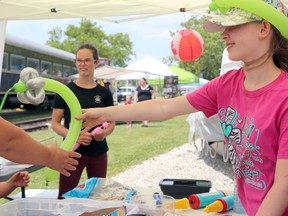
x,y
144,92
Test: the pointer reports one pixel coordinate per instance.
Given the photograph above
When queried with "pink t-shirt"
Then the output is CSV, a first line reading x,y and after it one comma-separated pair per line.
x,y
255,126
127,102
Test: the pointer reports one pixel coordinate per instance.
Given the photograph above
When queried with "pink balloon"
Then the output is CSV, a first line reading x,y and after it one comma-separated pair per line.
x,y
97,130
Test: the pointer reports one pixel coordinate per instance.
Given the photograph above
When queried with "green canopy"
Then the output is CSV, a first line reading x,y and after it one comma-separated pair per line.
x,y
184,76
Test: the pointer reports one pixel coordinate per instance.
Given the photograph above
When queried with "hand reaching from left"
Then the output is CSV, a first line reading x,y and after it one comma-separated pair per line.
x,y
61,160
19,179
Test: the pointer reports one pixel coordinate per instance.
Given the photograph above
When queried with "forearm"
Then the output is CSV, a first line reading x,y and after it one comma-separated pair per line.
x,y
6,188
275,202
59,129
21,148
137,112
18,146
57,116
158,109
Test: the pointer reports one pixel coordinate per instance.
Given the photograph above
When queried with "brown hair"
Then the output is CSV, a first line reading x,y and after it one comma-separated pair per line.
x,y
279,45
90,47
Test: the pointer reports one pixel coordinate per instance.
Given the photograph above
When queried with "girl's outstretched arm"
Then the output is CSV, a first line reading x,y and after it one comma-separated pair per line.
x,y
158,109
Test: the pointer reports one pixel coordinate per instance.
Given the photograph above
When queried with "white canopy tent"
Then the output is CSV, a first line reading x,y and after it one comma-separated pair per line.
x,y
111,11
147,67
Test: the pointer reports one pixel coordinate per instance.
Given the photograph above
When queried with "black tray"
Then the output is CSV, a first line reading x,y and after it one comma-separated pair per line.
x,y
181,188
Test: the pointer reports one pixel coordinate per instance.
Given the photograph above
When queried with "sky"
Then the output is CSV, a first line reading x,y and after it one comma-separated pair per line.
x,y
150,36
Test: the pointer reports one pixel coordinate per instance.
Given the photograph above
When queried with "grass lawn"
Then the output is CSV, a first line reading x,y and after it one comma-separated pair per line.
x,y
127,147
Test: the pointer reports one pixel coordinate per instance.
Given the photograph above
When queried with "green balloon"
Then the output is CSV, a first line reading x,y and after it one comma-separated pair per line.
x,y
20,87
75,109
213,6
75,125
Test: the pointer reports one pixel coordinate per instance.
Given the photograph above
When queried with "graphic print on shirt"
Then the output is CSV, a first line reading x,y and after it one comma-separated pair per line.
x,y
242,137
97,99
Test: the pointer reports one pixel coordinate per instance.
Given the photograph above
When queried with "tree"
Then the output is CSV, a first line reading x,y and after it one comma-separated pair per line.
x,y
117,48
209,64
121,48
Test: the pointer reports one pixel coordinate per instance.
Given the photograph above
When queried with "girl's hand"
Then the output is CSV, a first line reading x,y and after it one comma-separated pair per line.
x,y
85,138
91,118
19,179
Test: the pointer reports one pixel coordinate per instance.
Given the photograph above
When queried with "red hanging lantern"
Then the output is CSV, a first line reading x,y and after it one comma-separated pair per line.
x,y
187,45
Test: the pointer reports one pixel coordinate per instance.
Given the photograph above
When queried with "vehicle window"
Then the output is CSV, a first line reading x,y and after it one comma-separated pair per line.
x,y
17,62
34,63
74,70
46,67
5,61
57,70
66,70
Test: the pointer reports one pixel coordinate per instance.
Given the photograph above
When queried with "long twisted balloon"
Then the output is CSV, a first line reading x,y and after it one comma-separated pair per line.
x,y
67,95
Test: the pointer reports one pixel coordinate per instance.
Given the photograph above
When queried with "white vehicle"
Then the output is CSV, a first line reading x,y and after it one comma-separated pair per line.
x,y
123,91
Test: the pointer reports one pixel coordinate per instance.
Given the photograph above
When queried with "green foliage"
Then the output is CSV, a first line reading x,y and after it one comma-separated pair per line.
x,y
121,48
117,47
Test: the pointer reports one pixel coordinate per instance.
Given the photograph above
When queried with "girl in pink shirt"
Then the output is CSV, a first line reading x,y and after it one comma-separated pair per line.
x,y
251,102
127,102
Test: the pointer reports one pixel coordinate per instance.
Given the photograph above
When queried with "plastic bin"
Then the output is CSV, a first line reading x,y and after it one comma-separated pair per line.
x,y
50,207
180,188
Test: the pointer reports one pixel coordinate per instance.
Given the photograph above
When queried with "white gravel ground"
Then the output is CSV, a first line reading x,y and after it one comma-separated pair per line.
x,y
184,162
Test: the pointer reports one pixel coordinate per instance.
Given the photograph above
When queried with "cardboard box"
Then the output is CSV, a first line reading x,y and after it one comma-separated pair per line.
x,y
117,211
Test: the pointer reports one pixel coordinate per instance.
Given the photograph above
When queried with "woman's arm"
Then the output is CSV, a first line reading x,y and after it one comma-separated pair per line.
x,y
57,116
18,146
153,96
135,97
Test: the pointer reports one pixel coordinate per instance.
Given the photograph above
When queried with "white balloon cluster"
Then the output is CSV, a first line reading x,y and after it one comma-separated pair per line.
x,y
35,93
